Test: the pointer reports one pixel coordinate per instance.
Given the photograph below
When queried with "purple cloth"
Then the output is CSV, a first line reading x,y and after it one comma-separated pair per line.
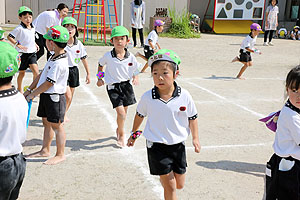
x,y
271,121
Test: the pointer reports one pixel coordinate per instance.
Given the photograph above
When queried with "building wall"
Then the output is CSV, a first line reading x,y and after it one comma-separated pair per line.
x,y
2,11
11,11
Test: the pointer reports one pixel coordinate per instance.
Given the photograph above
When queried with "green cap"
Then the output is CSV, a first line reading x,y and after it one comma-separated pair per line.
x,y
24,9
164,55
69,20
10,60
57,34
119,31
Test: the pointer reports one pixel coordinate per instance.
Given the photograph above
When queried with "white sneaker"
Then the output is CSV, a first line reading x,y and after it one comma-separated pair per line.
x,y
265,44
270,44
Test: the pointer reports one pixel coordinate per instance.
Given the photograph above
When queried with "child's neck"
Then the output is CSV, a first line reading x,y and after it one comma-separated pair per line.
x,y
6,86
167,93
120,52
58,51
71,41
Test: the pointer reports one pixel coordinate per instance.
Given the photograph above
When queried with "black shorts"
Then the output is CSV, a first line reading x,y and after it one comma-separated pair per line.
x,y
52,106
163,159
245,56
73,79
148,52
121,94
12,172
27,59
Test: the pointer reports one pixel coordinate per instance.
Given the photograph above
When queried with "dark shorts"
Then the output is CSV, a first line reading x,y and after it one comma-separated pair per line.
x,y
163,159
148,52
27,59
245,56
73,79
12,172
53,107
121,94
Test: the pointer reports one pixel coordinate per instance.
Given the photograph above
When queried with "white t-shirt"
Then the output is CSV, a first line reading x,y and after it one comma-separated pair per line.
x,y
293,32
137,15
287,138
248,42
45,20
272,17
56,71
153,36
117,70
25,37
167,122
13,120
75,53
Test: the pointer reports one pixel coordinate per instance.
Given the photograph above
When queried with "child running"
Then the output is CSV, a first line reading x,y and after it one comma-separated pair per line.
x,y
151,43
23,38
172,115
52,85
13,114
283,169
247,47
121,67
76,52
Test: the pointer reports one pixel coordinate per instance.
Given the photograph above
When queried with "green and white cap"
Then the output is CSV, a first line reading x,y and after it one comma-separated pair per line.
x,y
24,9
119,31
1,33
57,34
10,60
164,55
69,20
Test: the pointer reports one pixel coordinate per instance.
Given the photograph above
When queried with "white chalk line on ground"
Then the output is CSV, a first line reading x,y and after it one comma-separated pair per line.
x,y
231,78
129,155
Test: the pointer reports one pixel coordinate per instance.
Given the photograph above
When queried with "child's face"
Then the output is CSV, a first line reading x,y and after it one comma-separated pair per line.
x,y
163,76
63,13
119,42
26,19
255,32
294,97
273,2
49,45
160,29
72,29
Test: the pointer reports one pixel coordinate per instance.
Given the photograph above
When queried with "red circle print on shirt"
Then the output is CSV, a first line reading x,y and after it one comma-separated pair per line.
x,y
182,108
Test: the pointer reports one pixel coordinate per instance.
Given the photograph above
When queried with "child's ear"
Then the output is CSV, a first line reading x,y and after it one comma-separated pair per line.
x,y
176,74
20,18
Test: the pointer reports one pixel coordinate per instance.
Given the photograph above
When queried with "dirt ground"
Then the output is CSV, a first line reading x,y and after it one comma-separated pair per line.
x,y
235,145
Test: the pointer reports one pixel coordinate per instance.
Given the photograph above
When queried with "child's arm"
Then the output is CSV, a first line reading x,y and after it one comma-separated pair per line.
x,y
136,124
193,124
253,51
16,43
42,88
135,80
158,45
86,66
32,85
151,45
100,82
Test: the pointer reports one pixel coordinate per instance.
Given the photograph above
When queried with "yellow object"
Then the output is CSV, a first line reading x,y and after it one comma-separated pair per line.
x,y
282,33
25,88
230,26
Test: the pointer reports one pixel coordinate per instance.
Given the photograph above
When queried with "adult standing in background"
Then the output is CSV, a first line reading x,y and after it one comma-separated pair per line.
x,y
271,21
42,24
137,20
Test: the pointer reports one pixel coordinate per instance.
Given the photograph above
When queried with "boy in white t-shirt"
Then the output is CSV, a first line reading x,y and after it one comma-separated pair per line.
x,y
247,47
13,114
295,33
121,67
151,42
52,85
23,38
171,117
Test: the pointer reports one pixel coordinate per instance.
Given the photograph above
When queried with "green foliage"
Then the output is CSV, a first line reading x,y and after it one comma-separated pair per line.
x,y
180,26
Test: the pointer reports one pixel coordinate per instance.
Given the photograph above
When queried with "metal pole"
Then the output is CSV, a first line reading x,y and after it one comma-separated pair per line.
x,y
121,12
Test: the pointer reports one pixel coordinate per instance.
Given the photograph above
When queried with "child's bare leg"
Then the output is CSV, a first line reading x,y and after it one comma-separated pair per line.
x,y
180,180
144,68
138,54
168,182
35,70
69,96
239,76
60,144
48,136
20,79
121,116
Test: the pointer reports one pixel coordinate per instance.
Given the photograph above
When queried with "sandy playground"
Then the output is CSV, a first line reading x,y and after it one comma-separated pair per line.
x,y
235,146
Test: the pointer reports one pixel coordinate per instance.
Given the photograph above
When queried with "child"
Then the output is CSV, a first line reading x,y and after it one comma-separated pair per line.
x,y
151,42
121,66
282,33
172,115
295,33
23,38
137,19
283,169
13,114
247,47
76,52
52,85
271,21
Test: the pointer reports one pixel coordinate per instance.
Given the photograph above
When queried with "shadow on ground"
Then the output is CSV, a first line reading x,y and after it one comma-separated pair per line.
x,y
240,167
214,77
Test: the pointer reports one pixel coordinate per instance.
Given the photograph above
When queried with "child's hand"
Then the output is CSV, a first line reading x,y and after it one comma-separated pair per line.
x,y
26,93
29,97
87,79
130,142
135,80
197,146
37,47
100,82
22,47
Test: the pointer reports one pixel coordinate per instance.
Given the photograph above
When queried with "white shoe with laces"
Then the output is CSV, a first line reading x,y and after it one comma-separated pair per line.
x,y
270,44
265,44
